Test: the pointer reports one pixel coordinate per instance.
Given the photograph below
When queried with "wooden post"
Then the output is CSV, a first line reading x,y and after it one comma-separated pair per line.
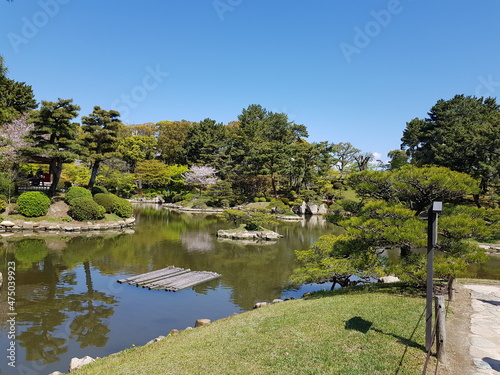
x,y
431,242
441,329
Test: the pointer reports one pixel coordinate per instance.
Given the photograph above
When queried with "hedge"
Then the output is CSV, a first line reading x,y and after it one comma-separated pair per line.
x,y
33,204
76,192
85,208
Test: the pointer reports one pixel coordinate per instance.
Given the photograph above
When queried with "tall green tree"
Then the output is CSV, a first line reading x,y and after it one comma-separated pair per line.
x,y
172,138
99,138
16,98
416,187
399,158
262,143
55,135
344,154
206,144
136,148
462,134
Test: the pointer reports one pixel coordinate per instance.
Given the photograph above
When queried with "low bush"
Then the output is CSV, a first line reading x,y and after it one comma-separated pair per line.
x,y
77,192
121,207
98,190
85,208
33,204
105,200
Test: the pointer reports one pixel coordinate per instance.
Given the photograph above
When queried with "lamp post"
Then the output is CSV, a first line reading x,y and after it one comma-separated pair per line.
x,y
432,221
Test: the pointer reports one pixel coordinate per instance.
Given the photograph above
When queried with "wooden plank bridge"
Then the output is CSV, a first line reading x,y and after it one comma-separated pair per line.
x,y
170,279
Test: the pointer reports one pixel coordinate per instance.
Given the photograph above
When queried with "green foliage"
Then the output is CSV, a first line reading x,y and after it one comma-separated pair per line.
x,y
277,206
3,205
122,207
134,149
116,181
105,200
98,190
416,187
33,204
336,259
76,192
222,194
75,174
54,135
84,208
16,98
114,204
7,186
99,138
250,218
155,174
460,134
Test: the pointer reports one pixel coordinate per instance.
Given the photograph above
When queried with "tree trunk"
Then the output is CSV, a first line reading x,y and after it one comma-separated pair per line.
x,y
93,175
476,200
273,184
56,169
405,251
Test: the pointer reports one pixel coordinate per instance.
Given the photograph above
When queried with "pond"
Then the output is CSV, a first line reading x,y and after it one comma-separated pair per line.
x,y
69,304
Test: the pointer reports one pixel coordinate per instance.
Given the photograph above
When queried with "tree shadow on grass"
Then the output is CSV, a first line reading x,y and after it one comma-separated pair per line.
x,y
359,324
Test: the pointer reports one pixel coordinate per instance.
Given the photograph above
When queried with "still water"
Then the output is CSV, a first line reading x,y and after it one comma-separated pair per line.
x,y
69,304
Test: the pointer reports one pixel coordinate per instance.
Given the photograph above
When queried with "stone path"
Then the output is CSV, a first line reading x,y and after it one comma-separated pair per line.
x,y
484,338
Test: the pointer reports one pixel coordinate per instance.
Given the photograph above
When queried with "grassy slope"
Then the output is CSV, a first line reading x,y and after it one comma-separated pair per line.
x,y
362,333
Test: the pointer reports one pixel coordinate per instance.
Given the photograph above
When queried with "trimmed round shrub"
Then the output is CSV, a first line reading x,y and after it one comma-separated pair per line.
x,y
33,204
98,190
105,200
84,209
77,192
122,207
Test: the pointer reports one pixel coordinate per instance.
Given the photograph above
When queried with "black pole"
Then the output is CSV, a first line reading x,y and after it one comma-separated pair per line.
x,y
432,220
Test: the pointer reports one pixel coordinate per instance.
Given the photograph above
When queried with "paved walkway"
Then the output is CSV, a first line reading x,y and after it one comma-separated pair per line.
x,y
484,338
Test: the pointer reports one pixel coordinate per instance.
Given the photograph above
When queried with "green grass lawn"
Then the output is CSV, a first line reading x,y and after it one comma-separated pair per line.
x,y
367,332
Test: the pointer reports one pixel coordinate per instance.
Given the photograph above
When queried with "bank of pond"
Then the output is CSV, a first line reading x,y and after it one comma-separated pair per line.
x,y
68,302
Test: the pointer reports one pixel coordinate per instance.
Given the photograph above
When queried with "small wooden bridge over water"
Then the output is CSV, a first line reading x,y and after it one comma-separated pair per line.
x,y
170,279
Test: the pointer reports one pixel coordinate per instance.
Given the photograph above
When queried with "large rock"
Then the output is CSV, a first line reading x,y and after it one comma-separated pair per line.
x,y
76,363
202,322
1,280
8,224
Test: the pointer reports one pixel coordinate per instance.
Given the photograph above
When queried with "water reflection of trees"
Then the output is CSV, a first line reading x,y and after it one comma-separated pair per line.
x,y
88,327
47,301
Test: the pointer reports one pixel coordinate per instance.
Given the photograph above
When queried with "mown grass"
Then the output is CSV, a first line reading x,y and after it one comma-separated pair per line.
x,y
366,332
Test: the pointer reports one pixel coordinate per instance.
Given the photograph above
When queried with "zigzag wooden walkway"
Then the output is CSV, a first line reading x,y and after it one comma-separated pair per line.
x,y
170,279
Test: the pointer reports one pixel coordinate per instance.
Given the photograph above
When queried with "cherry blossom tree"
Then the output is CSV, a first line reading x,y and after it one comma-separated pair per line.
x,y
200,176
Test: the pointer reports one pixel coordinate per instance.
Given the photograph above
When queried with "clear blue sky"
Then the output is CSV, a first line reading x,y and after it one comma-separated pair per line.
x,y
351,71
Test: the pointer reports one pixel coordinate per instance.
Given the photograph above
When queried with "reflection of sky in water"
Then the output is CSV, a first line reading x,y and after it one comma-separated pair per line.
x,y
197,241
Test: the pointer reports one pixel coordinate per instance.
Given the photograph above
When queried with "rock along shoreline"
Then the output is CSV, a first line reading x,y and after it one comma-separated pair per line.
x,y
8,226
